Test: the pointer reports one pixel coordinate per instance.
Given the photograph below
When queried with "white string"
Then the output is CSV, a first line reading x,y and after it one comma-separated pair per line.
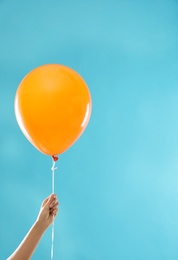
x,y
52,238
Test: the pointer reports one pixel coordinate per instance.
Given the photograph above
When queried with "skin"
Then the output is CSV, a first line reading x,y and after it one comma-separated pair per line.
x,y
46,216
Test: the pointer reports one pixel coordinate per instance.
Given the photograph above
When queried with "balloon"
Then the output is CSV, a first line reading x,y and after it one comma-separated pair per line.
x,y
52,107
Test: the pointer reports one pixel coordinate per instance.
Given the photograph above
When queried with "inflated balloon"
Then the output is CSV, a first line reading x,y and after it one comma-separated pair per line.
x,y
52,107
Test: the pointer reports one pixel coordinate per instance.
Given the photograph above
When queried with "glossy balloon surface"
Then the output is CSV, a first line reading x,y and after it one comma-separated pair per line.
x,y
52,107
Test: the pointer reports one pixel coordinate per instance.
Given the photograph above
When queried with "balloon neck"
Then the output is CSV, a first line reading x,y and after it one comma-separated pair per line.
x,y
55,158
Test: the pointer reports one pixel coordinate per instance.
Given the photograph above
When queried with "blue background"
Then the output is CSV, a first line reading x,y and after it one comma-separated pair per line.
x,y
118,185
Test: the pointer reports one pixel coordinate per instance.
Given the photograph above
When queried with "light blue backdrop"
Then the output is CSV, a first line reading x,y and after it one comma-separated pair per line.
x,y
118,185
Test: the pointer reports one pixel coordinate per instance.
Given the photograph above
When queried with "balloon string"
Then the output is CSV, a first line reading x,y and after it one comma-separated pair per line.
x,y
52,238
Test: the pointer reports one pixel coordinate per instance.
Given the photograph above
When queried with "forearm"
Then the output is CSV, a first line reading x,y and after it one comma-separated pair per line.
x,y
45,218
29,243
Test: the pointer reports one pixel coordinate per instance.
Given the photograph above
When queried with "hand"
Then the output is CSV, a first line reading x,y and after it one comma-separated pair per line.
x,y
48,211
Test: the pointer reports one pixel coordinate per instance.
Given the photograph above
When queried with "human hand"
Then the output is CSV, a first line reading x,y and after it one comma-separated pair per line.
x,y
48,211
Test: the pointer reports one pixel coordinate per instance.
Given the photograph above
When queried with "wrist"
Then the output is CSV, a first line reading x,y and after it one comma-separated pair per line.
x,y
40,226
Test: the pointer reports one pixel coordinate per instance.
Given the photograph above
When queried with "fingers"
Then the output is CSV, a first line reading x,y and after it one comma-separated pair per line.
x,y
54,213
54,209
55,206
50,200
53,202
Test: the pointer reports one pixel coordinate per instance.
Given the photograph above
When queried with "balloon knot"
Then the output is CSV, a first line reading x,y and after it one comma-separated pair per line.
x,y
55,158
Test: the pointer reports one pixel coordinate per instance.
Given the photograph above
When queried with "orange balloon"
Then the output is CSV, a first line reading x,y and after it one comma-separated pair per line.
x,y
52,107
